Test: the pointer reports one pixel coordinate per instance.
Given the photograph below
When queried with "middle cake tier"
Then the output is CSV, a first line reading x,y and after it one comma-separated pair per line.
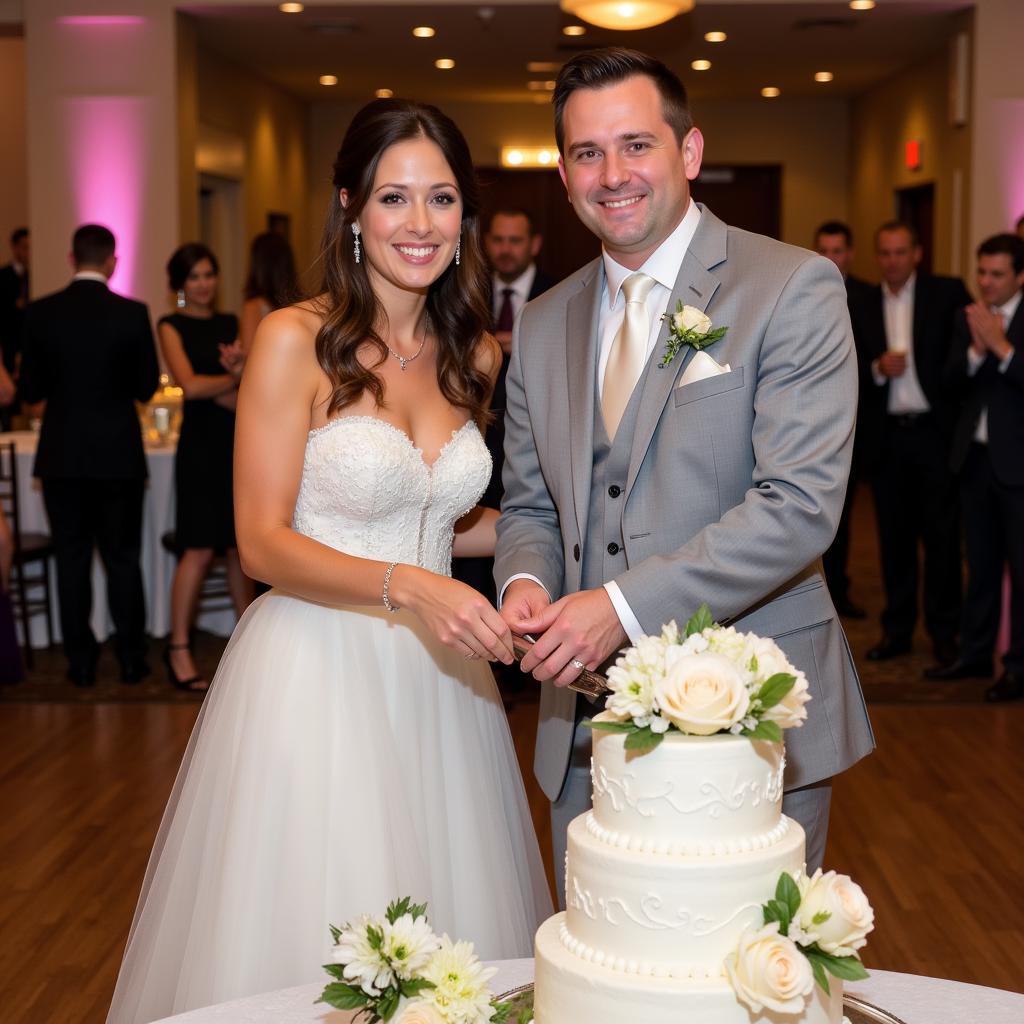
x,y
665,914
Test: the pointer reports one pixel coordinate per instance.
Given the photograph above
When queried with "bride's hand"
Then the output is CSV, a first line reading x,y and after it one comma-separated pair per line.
x,y
456,614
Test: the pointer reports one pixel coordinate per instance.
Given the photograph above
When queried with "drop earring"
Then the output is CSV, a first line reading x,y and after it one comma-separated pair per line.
x,y
458,251
180,301
357,250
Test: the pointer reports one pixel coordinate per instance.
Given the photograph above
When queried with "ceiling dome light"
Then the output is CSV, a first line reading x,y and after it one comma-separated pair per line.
x,y
769,92
291,8
715,37
423,32
823,76
444,64
700,65
862,5
384,94
626,15
328,79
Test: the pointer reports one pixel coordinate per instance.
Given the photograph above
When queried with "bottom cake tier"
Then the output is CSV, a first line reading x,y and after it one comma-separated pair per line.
x,y
571,990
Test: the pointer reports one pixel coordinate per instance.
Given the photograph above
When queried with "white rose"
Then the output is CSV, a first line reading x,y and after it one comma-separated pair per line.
x,y
767,970
702,694
689,318
844,915
790,712
417,1012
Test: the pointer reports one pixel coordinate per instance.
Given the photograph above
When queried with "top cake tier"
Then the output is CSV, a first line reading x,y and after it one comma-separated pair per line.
x,y
694,795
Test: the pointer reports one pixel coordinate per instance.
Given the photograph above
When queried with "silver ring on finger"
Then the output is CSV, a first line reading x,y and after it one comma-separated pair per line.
x,y
472,656
576,663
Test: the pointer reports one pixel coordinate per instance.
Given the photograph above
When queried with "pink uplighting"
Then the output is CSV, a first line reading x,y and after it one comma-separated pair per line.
x,y
107,137
101,20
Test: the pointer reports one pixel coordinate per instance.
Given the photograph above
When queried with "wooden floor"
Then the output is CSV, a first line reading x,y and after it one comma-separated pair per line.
x,y
932,826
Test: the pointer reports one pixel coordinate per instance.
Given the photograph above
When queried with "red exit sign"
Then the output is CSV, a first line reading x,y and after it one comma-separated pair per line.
x,y
912,158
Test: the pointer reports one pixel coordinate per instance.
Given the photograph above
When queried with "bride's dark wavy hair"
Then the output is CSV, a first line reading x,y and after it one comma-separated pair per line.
x,y
457,305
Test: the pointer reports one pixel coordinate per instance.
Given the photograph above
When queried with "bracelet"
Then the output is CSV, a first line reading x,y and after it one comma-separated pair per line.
x,y
387,584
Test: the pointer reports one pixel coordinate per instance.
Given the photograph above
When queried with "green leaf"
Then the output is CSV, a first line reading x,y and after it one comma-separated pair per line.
x,y
501,1012
775,688
335,971
819,974
821,917
414,986
343,997
418,910
787,892
700,621
525,1016
764,731
396,908
375,937
592,723
335,933
388,1003
849,968
778,910
643,741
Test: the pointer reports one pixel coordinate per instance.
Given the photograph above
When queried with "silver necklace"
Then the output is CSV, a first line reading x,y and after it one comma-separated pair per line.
x,y
404,360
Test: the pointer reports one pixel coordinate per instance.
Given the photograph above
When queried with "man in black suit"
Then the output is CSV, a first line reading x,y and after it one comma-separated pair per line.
x,y
988,453
834,241
13,300
89,355
904,329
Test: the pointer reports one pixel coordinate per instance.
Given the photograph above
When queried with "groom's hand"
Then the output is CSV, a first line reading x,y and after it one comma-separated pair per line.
x,y
581,627
522,601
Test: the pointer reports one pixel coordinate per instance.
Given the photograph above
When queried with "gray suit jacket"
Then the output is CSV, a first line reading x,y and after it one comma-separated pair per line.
x,y
735,485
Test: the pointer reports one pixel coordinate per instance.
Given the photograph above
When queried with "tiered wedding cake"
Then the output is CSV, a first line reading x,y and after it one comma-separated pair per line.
x,y
667,876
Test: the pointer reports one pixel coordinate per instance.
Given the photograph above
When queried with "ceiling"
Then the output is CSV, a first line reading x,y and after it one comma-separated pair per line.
x,y
371,46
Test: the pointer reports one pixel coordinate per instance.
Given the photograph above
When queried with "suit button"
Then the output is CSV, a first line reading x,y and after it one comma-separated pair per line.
x,y
576,552
614,491
613,548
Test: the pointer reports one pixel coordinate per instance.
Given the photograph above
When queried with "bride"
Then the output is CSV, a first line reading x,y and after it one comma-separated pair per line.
x,y
352,748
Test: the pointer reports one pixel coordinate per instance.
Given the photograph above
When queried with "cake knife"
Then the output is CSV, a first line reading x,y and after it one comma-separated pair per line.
x,y
590,684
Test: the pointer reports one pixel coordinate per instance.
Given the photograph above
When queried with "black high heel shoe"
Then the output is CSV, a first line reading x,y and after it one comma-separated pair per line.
x,y
183,684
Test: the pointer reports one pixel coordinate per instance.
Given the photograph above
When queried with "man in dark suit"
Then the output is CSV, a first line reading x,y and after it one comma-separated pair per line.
x,y
987,453
13,300
904,329
834,241
89,355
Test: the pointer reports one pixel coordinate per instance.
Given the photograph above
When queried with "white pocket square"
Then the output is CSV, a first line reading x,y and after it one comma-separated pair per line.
x,y
700,367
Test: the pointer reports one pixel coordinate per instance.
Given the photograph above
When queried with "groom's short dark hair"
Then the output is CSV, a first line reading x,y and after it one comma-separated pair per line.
x,y
596,69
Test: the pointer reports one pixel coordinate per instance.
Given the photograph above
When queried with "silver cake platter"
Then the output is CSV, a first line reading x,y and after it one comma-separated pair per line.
x,y
857,1010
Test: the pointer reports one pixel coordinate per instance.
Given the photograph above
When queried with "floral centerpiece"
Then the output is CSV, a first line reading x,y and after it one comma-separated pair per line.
x,y
814,927
396,968
702,680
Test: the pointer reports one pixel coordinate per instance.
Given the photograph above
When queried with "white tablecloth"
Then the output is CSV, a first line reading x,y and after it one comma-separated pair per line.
x,y
157,564
914,999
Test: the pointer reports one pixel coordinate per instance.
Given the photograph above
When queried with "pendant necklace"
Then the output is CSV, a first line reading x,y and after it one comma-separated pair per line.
x,y
403,361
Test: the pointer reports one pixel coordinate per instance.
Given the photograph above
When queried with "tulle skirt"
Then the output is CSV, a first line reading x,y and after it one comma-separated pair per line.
x,y
342,758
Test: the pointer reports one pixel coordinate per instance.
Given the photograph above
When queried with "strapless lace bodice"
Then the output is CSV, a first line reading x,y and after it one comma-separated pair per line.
x,y
366,490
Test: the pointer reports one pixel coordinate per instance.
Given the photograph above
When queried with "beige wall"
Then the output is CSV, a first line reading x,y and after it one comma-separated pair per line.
x,y
808,137
13,159
913,104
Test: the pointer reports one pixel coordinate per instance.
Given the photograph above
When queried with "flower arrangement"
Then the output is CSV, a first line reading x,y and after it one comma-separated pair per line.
x,y
688,326
703,680
395,968
813,927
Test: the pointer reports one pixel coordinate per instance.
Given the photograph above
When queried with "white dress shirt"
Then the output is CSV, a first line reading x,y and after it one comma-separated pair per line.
x,y
91,275
905,392
974,361
663,265
520,291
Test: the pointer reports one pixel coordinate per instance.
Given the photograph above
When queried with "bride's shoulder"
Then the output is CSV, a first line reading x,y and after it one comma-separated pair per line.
x,y
487,355
291,330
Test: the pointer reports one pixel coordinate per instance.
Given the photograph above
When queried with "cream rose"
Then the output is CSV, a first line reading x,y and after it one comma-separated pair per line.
x,y
790,712
689,318
418,1012
702,694
849,915
768,971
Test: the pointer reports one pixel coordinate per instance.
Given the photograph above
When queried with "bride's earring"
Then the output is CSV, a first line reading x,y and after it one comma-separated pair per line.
x,y
458,251
181,298
355,232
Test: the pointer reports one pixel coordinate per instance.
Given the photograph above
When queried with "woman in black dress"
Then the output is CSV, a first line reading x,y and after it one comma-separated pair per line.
x,y
200,349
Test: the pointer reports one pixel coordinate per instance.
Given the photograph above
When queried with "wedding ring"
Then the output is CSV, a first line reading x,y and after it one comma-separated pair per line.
x,y
576,663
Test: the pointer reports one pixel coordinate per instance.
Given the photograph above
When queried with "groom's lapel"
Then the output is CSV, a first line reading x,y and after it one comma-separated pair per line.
x,y
581,346
695,286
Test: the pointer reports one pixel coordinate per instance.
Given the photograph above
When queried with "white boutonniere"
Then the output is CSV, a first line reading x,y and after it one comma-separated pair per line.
x,y
688,326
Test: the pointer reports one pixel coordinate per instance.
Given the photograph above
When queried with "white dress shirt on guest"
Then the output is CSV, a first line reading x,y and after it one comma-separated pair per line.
x,y
974,361
905,393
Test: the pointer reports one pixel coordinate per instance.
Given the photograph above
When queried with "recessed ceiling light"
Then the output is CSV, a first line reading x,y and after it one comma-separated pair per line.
x,y
291,8
769,92
328,79
701,65
536,86
444,64
573,30
715,37
862,5
540,67
423,32
384,94
823,76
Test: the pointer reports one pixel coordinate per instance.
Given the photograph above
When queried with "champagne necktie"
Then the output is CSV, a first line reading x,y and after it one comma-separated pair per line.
x,y
628,353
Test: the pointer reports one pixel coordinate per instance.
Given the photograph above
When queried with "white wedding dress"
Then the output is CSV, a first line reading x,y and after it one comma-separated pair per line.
x,y
342,758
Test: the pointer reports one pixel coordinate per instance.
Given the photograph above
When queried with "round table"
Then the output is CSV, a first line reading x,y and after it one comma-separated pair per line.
x,y
914,999
157,564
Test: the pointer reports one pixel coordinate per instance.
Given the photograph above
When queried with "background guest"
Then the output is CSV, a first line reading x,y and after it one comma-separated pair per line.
x,y
1020,227
272,283
89,356
199,346
11,668
834,240
905,326
14,284
987,447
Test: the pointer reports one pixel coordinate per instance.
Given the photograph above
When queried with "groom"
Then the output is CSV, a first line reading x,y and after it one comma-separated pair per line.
x,y
634,493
